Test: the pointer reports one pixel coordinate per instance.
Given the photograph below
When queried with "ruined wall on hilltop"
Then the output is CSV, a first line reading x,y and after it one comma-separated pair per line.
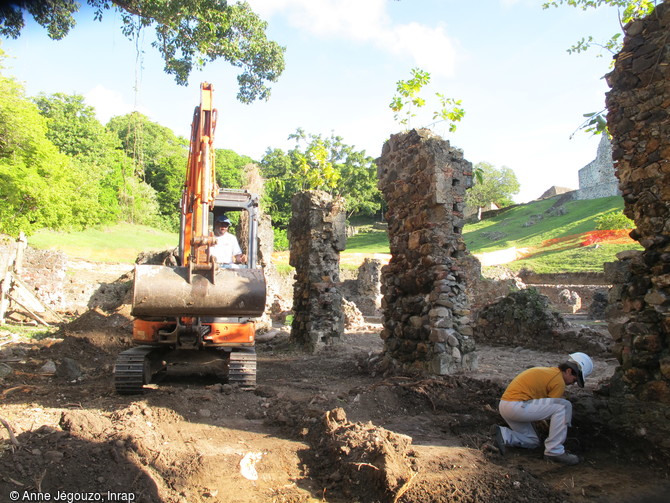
x,y
597,178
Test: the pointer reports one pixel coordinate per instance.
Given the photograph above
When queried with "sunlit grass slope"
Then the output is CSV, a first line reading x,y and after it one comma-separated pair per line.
x,y
116,243
552,241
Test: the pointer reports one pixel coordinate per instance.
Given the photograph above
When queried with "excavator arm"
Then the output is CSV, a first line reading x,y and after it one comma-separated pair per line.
x,y
200,186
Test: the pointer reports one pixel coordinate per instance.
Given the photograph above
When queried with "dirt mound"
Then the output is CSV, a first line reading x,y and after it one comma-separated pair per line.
x,y
90,324
53,460
362,461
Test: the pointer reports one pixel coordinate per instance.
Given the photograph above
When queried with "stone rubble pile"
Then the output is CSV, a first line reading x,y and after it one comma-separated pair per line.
x,y
526,319
426,315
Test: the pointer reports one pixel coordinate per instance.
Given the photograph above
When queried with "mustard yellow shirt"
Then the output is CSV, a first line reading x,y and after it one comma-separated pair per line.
x,y
535,383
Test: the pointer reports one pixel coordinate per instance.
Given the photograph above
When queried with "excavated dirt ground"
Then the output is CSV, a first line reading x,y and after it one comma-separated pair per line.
x,y
326,427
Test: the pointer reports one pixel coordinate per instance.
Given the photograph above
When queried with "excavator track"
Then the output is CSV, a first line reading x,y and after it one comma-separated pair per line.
x,y
132,370
242,367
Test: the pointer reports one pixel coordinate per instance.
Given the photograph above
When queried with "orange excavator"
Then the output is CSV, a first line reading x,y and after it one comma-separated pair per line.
x,y
199,311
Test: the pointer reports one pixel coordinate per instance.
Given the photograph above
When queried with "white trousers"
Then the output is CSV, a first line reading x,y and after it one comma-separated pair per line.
x,y
520,415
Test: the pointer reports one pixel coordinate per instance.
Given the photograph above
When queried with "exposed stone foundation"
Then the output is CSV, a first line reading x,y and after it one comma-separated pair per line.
x,y
426,315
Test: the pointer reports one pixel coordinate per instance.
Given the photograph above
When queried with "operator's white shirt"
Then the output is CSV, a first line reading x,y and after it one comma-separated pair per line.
x,y
225,249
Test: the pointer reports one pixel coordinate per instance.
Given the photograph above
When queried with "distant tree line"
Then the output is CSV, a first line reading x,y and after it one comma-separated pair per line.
x,y
61,169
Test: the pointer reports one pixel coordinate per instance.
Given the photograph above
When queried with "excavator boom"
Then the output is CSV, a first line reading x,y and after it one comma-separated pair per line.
x,y
200,185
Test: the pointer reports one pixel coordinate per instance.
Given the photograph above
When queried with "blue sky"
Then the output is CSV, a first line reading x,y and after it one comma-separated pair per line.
x,y
505,59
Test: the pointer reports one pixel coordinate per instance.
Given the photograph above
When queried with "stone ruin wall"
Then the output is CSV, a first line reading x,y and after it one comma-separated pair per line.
x,y
639,121
426,316
45,273
363,288
317,236
597,179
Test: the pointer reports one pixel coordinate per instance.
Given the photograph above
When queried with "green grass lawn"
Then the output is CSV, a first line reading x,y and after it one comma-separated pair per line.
x,y
116,243
532,225
511,228
368,242
528,226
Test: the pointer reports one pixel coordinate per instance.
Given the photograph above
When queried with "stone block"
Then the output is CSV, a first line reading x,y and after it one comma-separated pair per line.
x,y
444,364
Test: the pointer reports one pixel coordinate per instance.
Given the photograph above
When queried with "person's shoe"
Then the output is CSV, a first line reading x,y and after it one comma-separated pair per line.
x,y
498,439
566,458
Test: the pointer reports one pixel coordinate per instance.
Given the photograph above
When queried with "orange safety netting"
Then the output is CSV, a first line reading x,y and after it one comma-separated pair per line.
x,y
612,236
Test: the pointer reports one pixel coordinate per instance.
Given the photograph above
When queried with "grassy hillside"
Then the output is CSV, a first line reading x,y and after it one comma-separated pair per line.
x,y
552,241
549,241
116,243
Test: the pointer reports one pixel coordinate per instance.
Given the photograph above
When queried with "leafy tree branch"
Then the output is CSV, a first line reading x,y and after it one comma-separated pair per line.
x,y
629,10
408,100
318,162
189,34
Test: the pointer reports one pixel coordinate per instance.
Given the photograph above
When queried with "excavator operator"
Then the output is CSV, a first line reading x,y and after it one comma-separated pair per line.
x,y
226,250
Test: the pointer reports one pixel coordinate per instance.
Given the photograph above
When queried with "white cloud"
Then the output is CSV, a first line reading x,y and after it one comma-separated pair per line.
x,y
367,22
108,103
430,48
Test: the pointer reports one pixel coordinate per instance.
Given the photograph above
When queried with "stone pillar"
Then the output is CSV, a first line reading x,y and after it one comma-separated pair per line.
x,y
639,122
317,236
369,291
265,249
426,317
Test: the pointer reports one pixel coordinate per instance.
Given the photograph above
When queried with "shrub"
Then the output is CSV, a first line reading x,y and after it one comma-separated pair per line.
x,y
614,220
280,239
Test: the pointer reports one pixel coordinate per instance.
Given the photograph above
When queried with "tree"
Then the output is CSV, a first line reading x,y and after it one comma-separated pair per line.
x,y
495,186
74,129
39,186
159,158
280,185
230,168
146,142
319,163
189,34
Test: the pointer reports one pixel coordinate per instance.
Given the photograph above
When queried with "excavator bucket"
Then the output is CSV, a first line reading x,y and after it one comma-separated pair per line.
x,y
168,291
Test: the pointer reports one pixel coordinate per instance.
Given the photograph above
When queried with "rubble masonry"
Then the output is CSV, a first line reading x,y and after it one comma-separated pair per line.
x,y
426,315
317,236
639,122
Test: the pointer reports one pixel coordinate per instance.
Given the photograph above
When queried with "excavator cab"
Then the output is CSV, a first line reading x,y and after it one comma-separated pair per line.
x,y
198,312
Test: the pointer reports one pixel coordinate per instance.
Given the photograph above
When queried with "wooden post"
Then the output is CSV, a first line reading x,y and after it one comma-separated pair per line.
x,y
4,294
12,289
20,251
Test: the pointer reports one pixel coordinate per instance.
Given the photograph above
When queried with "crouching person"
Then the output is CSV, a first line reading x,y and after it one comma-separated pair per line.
x,y
536,394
